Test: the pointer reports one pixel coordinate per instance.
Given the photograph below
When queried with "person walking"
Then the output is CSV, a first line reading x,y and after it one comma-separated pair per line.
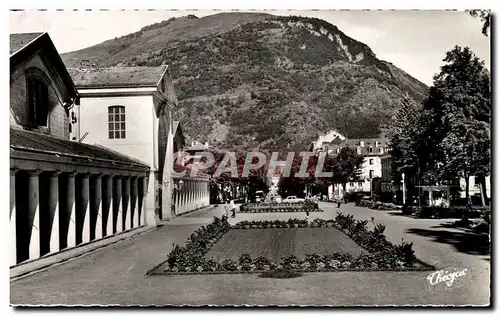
x,y
307,215
338,203
232,207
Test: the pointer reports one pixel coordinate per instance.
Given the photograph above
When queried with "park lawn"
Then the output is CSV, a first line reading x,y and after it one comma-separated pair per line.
x,y
281,242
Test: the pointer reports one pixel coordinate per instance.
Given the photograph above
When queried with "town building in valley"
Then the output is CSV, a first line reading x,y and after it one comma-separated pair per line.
x,y
370,148
62,193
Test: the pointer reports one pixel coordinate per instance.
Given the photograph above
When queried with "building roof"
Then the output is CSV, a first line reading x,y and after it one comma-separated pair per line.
x,y
363,150
118,77
18,41
23,46
187,171
22,140
382,142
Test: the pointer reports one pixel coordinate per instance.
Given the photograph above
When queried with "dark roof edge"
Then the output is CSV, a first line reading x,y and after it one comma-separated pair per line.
x,y
33,40
50,152
131,85
58,63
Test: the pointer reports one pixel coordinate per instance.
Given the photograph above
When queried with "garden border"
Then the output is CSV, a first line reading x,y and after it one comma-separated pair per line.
x,y
351,228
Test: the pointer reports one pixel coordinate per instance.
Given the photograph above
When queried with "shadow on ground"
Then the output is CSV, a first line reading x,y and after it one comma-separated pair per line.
x,y
474,244
398,213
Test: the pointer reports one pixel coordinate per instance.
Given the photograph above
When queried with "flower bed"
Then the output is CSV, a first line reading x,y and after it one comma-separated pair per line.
x,y
426,211
383,256
445,212
280,207
378,205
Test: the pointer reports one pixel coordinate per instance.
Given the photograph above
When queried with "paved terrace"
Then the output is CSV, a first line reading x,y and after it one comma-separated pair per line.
x,y
116,274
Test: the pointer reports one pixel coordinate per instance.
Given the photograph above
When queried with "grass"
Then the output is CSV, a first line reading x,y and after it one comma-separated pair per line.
x,y
281,242
281,274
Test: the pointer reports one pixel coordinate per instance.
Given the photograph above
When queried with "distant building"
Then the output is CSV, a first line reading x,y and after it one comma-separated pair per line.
x,y
127,109
370,148
62,193
323,141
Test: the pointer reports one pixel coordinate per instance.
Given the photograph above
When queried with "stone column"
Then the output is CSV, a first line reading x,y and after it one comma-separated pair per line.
x,y
182,198
54,212
191,195
207,193
195,183
117,205
149,195
12,218
199,193
71,210
141,198
202,193
85,208
107,205
188,195
177,201
200,185
34,214
134,202
126,202
97,207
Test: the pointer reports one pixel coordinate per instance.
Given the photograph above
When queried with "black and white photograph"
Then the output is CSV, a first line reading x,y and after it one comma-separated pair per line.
x,y
250,158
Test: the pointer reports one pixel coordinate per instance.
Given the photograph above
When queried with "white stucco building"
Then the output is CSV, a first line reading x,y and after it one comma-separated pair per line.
x,y
63,194
128,109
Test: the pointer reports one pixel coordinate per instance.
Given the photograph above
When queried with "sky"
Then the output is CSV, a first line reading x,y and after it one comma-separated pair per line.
x,y
415,41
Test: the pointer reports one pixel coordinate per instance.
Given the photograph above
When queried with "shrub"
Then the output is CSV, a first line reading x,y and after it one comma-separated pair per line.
x,y
228,265
245,259
290,262
261,261
406,253
379,229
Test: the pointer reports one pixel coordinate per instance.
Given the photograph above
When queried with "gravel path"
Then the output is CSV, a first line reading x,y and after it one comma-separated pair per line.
x,y
115,275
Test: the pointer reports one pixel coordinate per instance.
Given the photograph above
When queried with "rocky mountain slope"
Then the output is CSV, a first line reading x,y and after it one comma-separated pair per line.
x,y
247,80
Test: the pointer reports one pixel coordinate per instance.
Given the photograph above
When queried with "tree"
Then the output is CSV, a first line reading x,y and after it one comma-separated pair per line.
x,y
295,185
230,181
459,112
404,134
346,166
485,16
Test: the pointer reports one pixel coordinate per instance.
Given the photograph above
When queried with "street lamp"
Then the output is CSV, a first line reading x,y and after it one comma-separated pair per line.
x,y
404,195
393,191
178,185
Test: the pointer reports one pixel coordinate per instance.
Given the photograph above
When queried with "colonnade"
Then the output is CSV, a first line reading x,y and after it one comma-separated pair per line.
x,y
194,193
52,211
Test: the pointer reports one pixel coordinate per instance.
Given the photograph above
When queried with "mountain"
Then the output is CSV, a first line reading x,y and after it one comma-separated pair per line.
x,y
247,80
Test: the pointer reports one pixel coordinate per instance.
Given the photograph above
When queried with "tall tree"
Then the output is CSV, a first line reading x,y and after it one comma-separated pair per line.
x,y
485,16
459,108
404,134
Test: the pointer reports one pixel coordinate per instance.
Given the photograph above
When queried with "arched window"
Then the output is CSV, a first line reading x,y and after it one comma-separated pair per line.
x,y
37,107
116,121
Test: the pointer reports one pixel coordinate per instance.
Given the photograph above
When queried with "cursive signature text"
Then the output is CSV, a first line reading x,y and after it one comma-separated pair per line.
x,y
445,276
